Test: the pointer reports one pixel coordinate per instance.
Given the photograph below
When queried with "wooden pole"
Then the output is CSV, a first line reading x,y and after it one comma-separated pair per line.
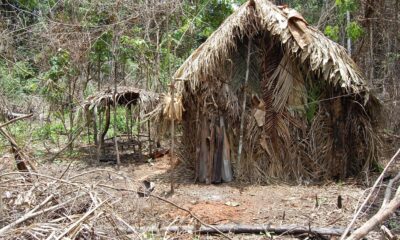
x,y
244,105
114,61
348,19
149,138
172,88
139,126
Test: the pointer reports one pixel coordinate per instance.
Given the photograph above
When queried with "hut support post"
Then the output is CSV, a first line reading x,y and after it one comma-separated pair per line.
x,y
99,136
138,133
115,128
88,118
94,119
105,130
127,122
149,136
244,105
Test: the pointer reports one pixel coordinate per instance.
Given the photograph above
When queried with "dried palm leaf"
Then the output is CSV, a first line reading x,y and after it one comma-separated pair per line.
x,y
175,111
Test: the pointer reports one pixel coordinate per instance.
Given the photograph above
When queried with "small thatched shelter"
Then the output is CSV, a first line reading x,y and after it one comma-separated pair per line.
x,y
308,113
125,96
97,108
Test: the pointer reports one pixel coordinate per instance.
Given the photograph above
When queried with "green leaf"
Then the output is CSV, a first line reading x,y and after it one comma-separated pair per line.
x,y
332,32
354,31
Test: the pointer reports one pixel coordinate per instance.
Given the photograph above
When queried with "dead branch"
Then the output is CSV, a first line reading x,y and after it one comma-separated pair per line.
x,y
383,213
27,216
388,234
388,191
369,195
34,212
83,218
15,119
251,229
43,176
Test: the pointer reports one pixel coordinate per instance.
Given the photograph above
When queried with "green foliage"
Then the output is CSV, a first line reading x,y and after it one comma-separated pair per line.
x,y
354,31
312,107
59,65
120,123
313,96
101,47
393,56
31,5
19,131
55,89
132,46
338,28
17,82
393,224
215,12
332,32
310,9
50,131
346,5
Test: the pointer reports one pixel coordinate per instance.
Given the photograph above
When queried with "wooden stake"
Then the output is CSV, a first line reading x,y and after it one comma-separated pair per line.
x,y
139,126
244,105
149,138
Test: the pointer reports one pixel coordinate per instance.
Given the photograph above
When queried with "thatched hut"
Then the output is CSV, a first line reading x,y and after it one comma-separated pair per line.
x,y
293,99
97,108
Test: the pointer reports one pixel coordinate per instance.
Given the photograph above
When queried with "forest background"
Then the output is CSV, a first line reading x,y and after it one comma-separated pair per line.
x,y
55,53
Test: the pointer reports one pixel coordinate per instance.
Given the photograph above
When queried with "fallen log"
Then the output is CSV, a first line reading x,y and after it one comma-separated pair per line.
x,y
250,229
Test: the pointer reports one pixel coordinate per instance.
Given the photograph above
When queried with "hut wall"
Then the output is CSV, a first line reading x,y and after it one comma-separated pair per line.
x,y
320,132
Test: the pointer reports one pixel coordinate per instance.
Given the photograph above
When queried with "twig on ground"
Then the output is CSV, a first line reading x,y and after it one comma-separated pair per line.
x,y
34,212
96,170
66,170
132,229
83,218
43,176
388,234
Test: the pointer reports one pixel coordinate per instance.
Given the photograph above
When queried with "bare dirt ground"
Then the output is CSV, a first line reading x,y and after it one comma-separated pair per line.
x,y
312,205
